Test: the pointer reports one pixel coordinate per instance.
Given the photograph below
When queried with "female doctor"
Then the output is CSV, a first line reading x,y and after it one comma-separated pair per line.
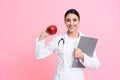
x,y
65,47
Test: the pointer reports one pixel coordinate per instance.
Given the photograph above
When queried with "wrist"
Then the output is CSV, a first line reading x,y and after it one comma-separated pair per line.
x,y
41,37
82,57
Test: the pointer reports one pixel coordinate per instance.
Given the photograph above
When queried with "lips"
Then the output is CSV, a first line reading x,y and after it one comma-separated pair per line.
x,y
71,27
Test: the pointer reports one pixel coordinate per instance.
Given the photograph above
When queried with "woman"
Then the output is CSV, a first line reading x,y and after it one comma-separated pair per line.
x,y
65,47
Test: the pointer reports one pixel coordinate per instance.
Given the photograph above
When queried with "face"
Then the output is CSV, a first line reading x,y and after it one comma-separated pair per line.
x,y
72,22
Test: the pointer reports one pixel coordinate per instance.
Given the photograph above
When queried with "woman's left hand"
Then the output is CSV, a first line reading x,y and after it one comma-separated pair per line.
x,y
79,54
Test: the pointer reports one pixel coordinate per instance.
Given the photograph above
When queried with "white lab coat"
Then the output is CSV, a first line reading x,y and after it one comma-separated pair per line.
x,y
65,57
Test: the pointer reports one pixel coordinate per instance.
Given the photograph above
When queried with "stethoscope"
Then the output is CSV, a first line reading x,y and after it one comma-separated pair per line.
x,y
61,43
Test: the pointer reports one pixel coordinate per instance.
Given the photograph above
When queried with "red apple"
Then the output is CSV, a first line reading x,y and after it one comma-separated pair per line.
x,y
52,29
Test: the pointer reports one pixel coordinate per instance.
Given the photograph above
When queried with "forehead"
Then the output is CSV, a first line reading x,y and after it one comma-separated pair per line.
x,y
70,16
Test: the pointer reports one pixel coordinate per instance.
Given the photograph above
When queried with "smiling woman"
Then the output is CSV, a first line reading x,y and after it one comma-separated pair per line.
x,y
72,20
21,21
67,50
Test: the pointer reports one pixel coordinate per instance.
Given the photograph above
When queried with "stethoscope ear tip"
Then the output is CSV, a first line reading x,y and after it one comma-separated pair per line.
x,y
61,40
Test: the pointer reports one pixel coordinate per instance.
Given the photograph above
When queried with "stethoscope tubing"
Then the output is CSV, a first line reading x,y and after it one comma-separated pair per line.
x,y
61,40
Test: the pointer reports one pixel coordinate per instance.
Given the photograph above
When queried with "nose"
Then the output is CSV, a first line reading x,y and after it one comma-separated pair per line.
x,y
71,23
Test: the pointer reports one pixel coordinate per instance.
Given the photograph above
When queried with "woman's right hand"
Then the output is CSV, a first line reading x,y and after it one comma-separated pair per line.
x,y
43,34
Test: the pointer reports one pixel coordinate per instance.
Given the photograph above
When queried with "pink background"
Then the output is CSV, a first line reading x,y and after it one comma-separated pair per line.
x,y
21,21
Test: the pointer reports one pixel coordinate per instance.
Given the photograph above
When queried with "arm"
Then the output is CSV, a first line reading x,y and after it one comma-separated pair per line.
x,y
89,62
42,50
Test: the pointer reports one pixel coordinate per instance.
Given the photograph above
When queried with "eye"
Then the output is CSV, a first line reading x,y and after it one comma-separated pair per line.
x,y
74,19
68,20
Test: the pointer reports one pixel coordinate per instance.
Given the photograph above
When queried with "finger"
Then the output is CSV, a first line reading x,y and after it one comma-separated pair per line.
x,y
74,53
79,50
75,49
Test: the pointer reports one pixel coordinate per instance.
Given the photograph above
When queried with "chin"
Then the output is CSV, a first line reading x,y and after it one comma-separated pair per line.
x,y
71,30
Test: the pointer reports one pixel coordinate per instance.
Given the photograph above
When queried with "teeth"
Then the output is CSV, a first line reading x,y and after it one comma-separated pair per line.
x,y
71,26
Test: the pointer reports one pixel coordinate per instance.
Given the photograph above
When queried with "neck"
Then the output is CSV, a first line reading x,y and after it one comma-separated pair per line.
x,y
73,34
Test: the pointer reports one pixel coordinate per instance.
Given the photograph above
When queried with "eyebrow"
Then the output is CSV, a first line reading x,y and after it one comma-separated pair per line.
x,y
69,18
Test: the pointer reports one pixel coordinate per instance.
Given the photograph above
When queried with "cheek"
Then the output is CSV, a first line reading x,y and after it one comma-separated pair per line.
x,y
77,23
67,26
67,23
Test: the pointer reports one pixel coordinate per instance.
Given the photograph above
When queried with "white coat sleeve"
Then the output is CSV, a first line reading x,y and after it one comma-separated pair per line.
x,y
91,62
42,50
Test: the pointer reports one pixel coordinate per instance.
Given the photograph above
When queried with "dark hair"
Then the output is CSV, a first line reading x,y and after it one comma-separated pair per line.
x,y
72,11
